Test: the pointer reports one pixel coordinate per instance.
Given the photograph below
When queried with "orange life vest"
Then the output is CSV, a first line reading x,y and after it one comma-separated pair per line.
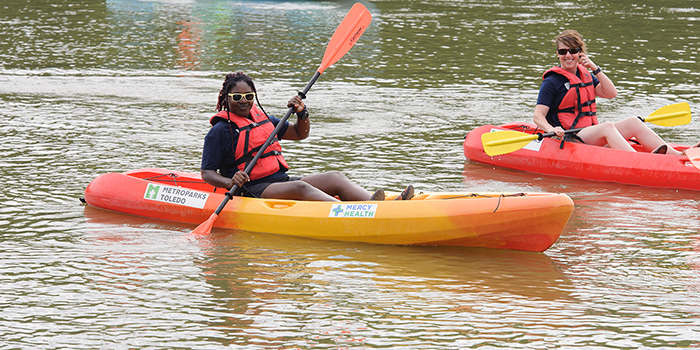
x,y
577,108
252,133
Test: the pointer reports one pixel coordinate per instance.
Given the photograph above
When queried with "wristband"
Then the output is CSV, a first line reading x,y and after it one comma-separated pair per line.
x,y
303,115
598,70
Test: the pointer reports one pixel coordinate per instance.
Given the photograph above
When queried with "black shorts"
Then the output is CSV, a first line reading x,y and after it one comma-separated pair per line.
x,y
255,189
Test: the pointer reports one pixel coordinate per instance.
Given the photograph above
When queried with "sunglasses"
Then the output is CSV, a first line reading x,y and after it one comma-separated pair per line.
x,y
238,97
573,51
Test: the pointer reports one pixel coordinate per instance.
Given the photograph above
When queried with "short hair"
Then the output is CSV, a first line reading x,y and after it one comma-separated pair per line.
x,y
570,38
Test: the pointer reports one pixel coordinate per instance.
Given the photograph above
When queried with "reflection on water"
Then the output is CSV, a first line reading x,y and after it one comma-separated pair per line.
x,y
346,292
263,287
627,238
96,86
645,48
188,46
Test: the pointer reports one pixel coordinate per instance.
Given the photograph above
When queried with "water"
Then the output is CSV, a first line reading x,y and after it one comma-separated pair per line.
x,y
97,86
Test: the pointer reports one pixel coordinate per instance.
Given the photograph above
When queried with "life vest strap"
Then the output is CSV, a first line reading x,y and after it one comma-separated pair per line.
x,y
249,157
253,125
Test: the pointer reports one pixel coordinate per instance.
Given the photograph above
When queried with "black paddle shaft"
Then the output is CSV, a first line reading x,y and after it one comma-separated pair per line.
x,y
550,134
247,169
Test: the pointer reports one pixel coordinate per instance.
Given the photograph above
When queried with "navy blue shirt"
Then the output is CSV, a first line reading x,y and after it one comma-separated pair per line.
x,y
218,155
553,89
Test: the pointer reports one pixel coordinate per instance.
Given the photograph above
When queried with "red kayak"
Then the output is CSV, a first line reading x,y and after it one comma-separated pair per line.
x,y
581,161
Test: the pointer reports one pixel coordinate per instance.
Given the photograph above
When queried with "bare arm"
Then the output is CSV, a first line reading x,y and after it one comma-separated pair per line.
x,y
606,88
540,118
300,129
215,179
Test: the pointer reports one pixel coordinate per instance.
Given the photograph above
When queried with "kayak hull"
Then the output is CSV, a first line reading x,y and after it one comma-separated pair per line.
x,y
530,222
581,161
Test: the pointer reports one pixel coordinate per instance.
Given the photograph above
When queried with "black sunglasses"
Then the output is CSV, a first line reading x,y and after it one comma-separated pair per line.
x,y
573,51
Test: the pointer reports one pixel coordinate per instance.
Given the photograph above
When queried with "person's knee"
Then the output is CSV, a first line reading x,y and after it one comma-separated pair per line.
x,y
299,187
632,122
608,128
631,127
607,125
638,124
335,175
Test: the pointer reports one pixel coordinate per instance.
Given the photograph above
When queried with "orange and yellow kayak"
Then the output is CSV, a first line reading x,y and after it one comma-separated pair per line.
x,y
520,221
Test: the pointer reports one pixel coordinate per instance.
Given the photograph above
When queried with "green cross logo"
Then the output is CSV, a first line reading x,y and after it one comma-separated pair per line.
x,y
337,209
152,191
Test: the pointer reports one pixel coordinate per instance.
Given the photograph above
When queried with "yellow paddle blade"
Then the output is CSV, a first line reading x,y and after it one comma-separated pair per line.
x,y
506,141
693,154
671,115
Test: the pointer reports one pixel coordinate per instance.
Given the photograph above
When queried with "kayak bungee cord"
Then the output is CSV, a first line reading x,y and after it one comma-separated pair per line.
x,y
174,180
475,195
498,205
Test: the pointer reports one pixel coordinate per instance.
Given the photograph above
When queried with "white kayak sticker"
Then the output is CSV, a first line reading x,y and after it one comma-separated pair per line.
x,y
352,211
534,145
176,195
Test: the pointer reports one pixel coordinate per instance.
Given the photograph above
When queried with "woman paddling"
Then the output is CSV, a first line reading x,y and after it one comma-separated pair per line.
x,y
241,127
566,100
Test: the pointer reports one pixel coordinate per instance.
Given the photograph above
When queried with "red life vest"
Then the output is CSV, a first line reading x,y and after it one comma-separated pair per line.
x,y
577,108
252,133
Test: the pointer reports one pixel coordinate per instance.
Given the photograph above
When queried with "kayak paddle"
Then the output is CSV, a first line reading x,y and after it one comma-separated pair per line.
x,y
507,141
343,39
671,115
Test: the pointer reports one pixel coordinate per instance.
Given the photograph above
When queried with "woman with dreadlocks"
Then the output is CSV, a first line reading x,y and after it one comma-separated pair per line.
x,y
238,131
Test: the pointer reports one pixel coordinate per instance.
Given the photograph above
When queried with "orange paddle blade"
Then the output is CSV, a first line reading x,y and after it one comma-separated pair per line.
x,y
205,227
347,34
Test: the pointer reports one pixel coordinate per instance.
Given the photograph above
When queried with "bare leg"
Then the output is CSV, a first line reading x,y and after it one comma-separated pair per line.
x,y
605,134
335,183
633,127
296,190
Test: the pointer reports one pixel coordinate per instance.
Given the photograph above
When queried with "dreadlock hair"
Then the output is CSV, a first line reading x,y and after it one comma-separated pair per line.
x,y
231,80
